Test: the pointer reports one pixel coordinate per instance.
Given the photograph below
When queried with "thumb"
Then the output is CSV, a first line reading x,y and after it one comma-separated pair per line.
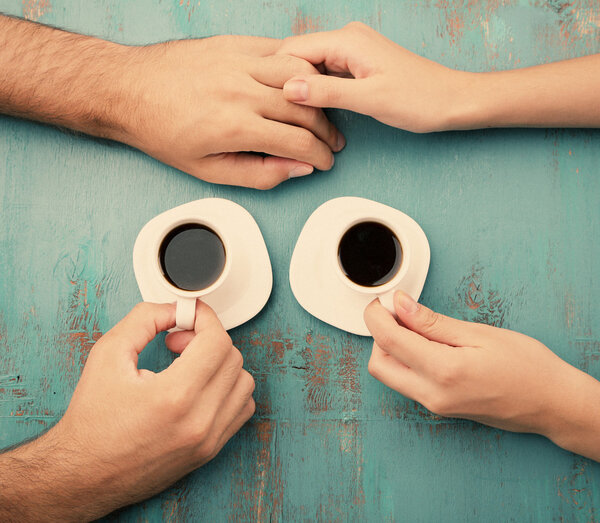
x,y
434,326
141,325
318,90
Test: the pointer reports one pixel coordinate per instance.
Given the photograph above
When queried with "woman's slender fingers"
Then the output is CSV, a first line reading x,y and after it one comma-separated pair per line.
x,y
393,373
277,69
407,346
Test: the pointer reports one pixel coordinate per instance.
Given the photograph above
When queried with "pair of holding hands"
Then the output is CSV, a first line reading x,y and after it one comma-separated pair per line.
x,y
204,103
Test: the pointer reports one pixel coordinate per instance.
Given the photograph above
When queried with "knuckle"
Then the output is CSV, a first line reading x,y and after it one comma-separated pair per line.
x,y
438,404
208,446
374,369
312,116
232,132
431,321
248,384
448,373
356,26
264,183
304,67
237,359
385,340
222,340
142,309
177,403
250,409
332,132
199,434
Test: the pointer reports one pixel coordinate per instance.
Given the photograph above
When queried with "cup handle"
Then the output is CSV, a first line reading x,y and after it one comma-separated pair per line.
x,y
387,300
185,316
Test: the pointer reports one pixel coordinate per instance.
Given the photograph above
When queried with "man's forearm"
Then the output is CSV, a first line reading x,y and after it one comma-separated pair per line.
x,y
63,78
560,94
50,479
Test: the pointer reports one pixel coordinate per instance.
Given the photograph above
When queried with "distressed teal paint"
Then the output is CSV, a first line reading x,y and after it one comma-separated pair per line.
x,y
513,221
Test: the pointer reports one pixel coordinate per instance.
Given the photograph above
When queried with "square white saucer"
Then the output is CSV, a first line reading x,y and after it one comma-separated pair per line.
x,y
313,277
248,285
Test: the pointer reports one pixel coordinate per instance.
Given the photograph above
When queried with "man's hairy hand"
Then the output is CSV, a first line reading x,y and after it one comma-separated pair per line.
x,y
129,433
199,105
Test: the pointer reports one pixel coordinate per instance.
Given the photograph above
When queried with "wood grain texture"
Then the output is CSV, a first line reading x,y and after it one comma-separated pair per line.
x,y
512,217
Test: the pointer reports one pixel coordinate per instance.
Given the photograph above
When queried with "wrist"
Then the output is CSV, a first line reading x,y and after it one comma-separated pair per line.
x,y
571,421
470,106
49,479
114,98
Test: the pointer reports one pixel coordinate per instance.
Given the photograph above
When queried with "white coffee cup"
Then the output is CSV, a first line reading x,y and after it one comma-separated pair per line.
x,y
384,292
186,300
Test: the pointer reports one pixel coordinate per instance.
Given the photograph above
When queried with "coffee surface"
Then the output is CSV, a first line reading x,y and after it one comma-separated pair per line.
x,y
369,254
192,257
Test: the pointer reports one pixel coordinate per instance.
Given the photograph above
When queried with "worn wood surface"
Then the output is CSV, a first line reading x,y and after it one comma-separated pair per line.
x,y
512,216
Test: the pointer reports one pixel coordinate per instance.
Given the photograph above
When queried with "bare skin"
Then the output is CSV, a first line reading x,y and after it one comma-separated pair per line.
x,y
494,376
455,368
370,74
128,433
198,105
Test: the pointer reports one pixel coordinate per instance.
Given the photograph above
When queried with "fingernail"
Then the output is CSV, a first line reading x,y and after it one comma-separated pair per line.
x,y
296,90
301,170
341,142
406,303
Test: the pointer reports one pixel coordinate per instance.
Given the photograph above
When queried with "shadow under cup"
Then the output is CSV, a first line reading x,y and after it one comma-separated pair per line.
x,y
192,257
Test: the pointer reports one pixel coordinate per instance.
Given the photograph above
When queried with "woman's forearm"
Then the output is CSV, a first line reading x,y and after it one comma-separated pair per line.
x,y
559,94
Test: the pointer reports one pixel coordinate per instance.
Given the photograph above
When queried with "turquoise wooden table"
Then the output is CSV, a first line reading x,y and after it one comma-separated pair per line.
x,y
512,216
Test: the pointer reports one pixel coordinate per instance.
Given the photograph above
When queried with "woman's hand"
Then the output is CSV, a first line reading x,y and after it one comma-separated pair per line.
x,y
486,374
369,74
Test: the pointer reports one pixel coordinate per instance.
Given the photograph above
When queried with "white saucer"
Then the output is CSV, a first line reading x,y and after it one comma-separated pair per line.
x,y
248,285
313,279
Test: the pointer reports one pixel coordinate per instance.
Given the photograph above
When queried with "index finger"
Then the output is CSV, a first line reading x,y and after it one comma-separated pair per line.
x,y
142,324
328,47
205,353
407,346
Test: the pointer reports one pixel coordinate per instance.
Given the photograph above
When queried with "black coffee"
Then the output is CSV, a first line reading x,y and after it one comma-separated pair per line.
x,y
192,257
369,254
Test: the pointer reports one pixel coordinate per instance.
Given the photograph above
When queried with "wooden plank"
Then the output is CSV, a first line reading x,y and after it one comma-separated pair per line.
x,y
513,221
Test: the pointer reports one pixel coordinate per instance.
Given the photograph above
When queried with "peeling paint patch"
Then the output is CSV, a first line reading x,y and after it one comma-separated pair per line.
x,y
487,305
35,9
578,19
576,489
80,317
189,6
396,406
317,355
174,507
258,494
590,353
305,24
